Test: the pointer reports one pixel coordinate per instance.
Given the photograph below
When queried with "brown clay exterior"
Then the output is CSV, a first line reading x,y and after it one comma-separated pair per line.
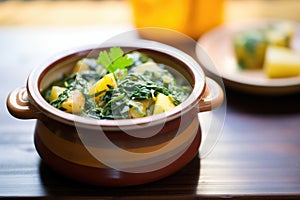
x,y
155,146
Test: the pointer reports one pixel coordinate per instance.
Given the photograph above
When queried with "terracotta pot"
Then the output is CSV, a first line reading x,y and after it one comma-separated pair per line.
x,y
116,152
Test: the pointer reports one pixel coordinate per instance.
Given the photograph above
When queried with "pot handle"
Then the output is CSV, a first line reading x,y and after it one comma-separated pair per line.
x,y
213,96
19,106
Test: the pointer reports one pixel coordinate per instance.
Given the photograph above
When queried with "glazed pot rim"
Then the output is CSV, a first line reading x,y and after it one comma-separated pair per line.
x,y
36,98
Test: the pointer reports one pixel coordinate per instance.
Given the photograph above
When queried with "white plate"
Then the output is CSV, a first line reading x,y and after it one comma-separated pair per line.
x,y
218,45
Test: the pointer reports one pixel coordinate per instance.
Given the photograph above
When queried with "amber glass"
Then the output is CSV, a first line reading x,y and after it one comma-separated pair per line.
x,y
191,17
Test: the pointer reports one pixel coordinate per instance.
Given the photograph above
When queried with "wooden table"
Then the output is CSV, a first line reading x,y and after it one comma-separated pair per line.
x,y
256,157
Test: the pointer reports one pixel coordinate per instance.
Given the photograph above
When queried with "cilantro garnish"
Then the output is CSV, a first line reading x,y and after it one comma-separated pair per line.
x,y
114,60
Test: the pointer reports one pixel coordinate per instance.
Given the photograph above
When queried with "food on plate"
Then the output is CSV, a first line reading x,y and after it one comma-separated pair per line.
x,y
250,45
280,34
281,62
118,86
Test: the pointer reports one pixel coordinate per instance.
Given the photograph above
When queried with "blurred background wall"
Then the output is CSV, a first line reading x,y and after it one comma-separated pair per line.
x,y
57,12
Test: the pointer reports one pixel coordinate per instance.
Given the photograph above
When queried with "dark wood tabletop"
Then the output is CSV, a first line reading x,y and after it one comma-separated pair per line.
x,y
256,155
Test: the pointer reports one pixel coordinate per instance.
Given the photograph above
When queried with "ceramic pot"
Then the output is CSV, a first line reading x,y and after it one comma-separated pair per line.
x,y
116,152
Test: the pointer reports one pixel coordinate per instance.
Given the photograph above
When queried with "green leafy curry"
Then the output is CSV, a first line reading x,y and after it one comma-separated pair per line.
x,y
117,86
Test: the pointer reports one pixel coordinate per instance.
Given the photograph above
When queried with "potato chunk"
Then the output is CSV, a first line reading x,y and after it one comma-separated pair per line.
x,y
101,86
281,62
81,65
249,47
140,108
162,104
55,92
137,110
75,103
148,66
280,34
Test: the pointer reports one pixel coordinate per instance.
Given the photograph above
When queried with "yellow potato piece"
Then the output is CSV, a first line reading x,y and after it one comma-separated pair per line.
x,y
162,104
277,38
75,103
281,34
249,48
55,92
102,86
281,62
148,66
80,66
137,110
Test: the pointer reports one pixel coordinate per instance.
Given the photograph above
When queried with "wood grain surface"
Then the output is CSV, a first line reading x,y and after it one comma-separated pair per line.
x,y
256,157
257,154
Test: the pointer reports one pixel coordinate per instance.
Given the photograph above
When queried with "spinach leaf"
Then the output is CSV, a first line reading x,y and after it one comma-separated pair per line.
x,y
61,98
